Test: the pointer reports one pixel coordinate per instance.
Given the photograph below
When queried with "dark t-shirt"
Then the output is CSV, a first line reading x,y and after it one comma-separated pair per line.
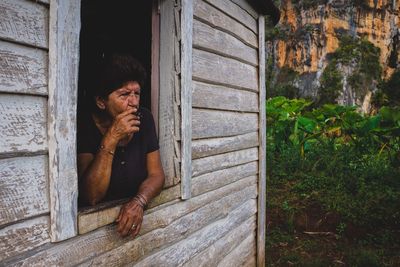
x,y
129,167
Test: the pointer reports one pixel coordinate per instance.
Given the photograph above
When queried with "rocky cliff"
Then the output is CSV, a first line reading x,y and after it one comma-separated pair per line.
x,y
310,30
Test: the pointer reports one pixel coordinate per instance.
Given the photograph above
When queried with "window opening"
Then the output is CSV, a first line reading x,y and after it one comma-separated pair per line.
x,y
107,27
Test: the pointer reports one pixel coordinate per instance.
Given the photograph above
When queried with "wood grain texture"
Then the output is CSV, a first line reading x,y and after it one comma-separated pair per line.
x,y
63,88
155,59
218,179
262,186
212,255
163,217
244,4
22,123
21,237
41,1
213,123
25,22
89,221
218,162
212,68
179,253
106,238
23,69
208,38
224,98
186,97
230,207
217,19
236,12
23,188
209,147
167,122
242,255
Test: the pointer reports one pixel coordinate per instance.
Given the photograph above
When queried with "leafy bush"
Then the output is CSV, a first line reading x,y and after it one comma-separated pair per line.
x,y
347,162
363,258
389,91
331,85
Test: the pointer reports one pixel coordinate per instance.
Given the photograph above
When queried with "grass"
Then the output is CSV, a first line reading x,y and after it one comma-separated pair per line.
x,y
332,208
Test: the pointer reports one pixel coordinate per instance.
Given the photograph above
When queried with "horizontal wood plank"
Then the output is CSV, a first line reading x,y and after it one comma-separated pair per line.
x,y
216,41
236,12
223,98
23,123
179,253
89,221
209,147
25,22
23,69
229,207
41,1
244,4
23,188
212,68
218,179
166,216
242,255
218,162
217,19
107,238
213,254
212,123
21,237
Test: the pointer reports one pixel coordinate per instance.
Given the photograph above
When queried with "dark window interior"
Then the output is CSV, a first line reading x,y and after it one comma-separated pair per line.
x,y
114,26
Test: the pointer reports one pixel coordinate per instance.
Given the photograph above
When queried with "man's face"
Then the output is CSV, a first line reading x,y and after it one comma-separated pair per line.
x,y
127,96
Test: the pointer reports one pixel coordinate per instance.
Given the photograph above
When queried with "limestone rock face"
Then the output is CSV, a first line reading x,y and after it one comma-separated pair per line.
x,y
315,31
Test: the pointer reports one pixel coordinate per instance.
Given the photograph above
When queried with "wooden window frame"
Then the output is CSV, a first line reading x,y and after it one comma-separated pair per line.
x,y
65,222
63,87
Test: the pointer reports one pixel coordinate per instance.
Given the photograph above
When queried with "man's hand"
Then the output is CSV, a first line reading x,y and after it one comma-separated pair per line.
x,y
130,219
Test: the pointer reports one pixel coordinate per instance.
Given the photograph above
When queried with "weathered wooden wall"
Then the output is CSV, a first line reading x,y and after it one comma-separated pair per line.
x,y
24,204
216,226
225,118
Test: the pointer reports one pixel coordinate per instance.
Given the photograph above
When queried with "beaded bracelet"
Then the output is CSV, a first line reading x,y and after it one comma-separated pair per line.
x,y
106,150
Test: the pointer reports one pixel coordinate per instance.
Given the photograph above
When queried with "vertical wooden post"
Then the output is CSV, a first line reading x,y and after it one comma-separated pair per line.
x,y
261,218
186,97
63,87
155,59
166,107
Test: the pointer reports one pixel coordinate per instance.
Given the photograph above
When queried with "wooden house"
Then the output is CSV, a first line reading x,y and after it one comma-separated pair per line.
x,y
206,59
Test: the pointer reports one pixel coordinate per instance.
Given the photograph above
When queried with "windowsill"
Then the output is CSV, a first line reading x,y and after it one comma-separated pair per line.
x,y
93,217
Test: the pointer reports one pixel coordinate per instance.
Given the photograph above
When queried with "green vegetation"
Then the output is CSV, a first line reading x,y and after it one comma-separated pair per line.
x,y
312,4
331,84
332,170
285,83
356,58
279,32
359,55
307,4
389,91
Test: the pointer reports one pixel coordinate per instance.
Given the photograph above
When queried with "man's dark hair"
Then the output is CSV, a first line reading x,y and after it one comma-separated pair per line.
x,y
116,70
